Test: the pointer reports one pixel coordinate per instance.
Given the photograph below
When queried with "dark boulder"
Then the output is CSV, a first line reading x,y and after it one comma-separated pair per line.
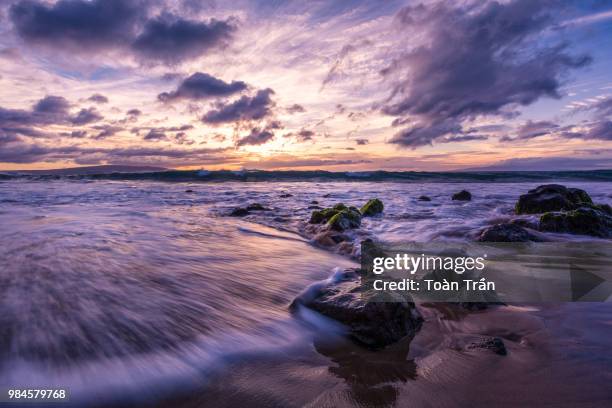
x,y
507,232
372,207
189,191
494,344
463,195
583,221
257,207
371,323
551,197
239,212
424,198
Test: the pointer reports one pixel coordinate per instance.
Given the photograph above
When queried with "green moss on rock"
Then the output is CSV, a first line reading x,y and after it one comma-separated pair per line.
x,y
372,207
346,219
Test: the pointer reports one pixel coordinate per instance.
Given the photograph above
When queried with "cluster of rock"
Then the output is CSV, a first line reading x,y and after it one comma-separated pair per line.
x,y
562,209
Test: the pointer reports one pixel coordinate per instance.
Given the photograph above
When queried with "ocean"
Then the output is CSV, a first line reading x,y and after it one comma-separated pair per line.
x,y
140,289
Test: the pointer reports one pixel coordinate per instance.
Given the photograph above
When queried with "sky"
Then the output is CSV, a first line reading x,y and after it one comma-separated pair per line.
x,y
334,85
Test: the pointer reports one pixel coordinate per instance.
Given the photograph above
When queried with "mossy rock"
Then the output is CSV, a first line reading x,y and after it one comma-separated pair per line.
x,y
322,216
340,207
583,221
344,220
372,207
552,197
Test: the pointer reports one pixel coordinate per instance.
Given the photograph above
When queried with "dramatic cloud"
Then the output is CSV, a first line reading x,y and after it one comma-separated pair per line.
x,y
86,116
106,131
296,108
155,135
256,137
304,135
49,110
89,26
246,108
171,39
259,136
20,152
476,60
97,98
202,86
77,24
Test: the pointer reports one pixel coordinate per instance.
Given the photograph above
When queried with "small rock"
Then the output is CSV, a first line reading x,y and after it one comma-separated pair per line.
x,y
551,197
463,195
583,221
424,198
314,202
286,195
507,232
494,344
239,212
189,191
372,207
256,207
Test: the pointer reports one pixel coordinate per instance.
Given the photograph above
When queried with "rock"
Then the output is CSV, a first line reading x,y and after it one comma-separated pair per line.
x,y
340,207
494,344
314,202
239,212
314,207
286,195
583,221
189,191
329,238
257,207
345,219
372,207
463,195
424,198
327,195
373,324
551,197
506,232
321,216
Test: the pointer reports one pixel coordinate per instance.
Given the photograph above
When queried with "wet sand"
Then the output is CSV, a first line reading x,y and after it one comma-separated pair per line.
x,y
558,356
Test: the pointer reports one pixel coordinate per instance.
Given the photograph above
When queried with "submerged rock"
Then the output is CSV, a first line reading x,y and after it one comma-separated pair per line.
x,y
286,195
372,207
463,195
424,198
257,207
239,212
494,344
506,232
583,221
551,197
189,191
371,323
